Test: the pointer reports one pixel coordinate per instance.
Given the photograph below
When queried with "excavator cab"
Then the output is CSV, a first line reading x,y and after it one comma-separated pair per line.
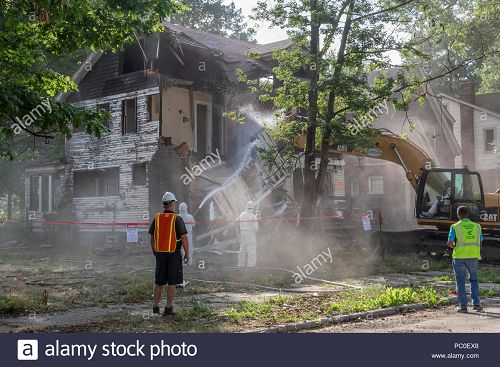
x,y
441,191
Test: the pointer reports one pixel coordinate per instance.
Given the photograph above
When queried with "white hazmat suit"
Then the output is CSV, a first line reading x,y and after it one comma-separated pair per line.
x,y
183,210
248,239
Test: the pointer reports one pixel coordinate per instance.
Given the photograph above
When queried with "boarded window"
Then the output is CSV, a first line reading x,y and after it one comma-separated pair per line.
x,y
376,185
489,140
129,116
96,183
105,107
132,58
139,174
154,107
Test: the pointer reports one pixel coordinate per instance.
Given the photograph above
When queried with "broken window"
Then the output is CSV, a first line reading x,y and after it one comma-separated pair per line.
x,y
489,140
129,116
154,107
139,174
376,185
97,183
105,107
132,58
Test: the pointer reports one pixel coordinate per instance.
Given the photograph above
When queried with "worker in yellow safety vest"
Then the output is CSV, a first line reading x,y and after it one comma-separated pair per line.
x,y
465,239
168,235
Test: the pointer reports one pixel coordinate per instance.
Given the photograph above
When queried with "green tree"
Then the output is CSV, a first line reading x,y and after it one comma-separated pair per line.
x,y
215,17
10,187
33,31
12,170
322,83
461,32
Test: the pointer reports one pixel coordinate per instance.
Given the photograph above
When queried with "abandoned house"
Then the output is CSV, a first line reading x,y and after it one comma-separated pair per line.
x,y
167,95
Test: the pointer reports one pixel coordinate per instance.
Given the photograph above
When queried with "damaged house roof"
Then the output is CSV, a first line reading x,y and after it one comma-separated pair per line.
x,y
230,54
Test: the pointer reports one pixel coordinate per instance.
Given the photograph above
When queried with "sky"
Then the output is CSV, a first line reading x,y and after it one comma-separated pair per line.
x,y
265,34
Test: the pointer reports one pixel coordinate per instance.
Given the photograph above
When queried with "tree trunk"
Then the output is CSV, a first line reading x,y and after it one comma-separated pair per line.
x,y
9,205
325,142
312,113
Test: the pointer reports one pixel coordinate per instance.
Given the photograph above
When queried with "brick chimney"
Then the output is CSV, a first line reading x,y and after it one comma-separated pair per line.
x,y
467,94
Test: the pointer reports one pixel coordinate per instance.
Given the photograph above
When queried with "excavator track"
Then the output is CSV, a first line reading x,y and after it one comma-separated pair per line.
x,y
431,242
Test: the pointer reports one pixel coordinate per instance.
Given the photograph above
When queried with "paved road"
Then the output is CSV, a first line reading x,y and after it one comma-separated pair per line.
x,y
441,320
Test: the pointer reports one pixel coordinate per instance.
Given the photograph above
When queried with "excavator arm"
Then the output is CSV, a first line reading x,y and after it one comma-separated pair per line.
x,y
392,148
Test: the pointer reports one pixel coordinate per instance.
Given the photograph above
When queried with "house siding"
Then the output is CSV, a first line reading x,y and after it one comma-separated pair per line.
x,y
454,110
85,152
487,164
482,121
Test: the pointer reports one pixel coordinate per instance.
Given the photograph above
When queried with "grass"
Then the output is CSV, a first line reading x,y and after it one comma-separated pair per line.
x,y
486,274
197,311
278,309
134,290
410,264
486,293
12,305
390,297
489,274
283,309
444,278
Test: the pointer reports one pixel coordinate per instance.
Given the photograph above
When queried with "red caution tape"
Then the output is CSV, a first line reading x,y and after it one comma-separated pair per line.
x,y
125,224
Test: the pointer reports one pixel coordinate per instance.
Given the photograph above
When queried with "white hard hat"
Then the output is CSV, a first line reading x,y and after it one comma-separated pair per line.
x,y
168,197
250,205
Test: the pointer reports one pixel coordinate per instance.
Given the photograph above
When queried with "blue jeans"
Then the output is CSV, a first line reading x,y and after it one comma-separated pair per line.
x,y
460,268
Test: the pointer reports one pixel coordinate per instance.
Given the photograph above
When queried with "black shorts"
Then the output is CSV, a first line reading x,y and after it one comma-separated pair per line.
x,y
168,268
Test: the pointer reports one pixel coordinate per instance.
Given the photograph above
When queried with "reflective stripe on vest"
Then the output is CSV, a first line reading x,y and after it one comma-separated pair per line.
x,y
468,240
165,236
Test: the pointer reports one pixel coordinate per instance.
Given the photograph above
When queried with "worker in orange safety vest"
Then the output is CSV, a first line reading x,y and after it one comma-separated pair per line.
x,y
168,235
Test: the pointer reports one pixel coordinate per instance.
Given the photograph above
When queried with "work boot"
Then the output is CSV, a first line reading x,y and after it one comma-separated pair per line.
x,y
478,308
462,310
169,311
156,311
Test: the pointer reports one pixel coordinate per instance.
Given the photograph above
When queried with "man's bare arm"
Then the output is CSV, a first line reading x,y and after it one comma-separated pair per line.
x,y
185,246
153,243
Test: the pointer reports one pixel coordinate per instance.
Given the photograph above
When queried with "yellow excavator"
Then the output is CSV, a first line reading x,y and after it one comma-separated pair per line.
x,y
439,191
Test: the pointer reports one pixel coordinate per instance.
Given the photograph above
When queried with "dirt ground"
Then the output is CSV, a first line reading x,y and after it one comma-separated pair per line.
x,y
442,320
48,288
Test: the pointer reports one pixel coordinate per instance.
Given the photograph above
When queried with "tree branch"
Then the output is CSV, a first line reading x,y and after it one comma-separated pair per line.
x,y
383,10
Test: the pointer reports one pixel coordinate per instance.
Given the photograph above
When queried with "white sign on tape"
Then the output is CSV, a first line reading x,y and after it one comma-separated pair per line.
x,y
132,235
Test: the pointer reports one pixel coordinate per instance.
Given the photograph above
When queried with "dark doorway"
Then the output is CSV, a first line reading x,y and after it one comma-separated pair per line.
x,y
202,127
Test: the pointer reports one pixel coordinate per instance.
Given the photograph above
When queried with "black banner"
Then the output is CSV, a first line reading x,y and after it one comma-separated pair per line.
x,y
243,350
